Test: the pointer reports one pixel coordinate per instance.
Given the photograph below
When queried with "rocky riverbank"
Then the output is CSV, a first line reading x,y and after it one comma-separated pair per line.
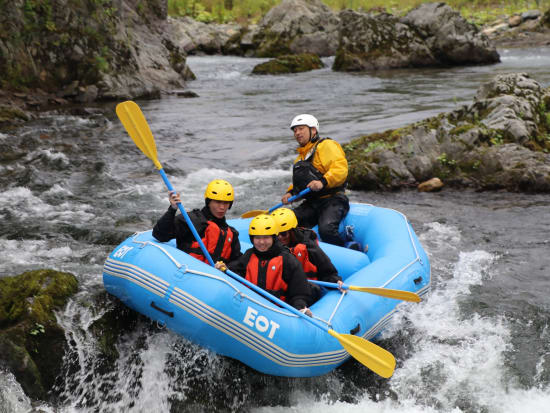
x,y
52,53
500,141
84,52
528,29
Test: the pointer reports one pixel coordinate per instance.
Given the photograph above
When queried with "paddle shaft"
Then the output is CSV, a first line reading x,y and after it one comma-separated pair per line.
x,y
187,219
384,292
366,352
137,127
276,300
291,199
256,212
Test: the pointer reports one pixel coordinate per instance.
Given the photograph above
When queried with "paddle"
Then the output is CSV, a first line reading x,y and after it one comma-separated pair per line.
x,y
137,127
384,292
369,354
256,212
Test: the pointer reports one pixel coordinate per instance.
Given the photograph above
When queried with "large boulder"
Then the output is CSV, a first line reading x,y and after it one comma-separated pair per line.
x,y
297,26
449,36
302,62
32,344
381,41
87,50
197,37
500,141
431,35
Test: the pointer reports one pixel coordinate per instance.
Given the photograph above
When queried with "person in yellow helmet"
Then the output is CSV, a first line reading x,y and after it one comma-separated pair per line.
x,y
304,245
321,165
220,239
271,266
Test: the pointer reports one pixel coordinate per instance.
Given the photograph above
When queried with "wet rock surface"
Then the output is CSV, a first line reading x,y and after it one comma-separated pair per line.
x,y
32,344
500,141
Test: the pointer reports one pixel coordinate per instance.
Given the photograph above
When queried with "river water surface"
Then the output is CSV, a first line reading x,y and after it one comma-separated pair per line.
x,y
73,187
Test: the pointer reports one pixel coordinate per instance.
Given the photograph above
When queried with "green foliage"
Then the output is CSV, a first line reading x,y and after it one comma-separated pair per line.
x,y
497,139
378,144
251,11
37,329
446,161
221,11
459,130
101,63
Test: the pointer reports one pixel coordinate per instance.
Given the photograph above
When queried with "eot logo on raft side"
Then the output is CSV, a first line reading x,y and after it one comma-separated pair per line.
x,y
121,252
259,322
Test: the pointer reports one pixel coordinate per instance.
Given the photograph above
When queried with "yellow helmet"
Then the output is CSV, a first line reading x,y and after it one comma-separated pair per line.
x,y
263,225
285,219
219,190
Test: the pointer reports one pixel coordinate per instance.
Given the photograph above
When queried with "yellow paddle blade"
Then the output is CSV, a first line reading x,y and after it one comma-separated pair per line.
x,y
137,127
387,292
369,354
254,213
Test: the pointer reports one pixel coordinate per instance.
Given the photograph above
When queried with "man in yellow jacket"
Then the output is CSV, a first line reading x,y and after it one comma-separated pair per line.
x,y
321,165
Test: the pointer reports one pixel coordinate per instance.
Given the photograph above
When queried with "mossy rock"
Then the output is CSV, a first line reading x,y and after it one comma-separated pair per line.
x,y
12,113
302,62
117,320
34,295
545,21
32,344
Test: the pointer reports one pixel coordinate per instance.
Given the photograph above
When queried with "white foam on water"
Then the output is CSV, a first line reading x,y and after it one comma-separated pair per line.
x,y
192,186
17,252
25,255
151,391
58,190
457,360
54,157
520,400
12,396
437,236
305,404
25,205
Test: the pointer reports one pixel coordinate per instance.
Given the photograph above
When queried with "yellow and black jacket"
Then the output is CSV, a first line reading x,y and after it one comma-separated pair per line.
x,y
330,166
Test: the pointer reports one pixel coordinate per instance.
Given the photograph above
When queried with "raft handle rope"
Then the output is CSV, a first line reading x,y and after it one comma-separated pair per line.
x,y
238,292
417,258
329,321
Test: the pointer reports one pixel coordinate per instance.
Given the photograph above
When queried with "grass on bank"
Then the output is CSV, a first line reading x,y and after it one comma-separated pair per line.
x,y
245,12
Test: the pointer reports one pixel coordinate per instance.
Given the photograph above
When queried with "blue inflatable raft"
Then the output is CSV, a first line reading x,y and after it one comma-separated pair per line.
x,y
214,310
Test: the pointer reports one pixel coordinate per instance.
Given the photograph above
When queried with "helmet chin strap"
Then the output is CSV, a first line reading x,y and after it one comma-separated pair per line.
x,y
313,138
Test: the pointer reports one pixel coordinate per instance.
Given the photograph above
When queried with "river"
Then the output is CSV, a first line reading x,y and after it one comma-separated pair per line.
x,y
74,186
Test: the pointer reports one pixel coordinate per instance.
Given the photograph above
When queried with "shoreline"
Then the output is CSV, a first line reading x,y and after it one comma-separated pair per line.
x,y
18,107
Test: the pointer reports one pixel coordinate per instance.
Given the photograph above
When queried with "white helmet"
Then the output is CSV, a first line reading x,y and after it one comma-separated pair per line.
x,y
305,119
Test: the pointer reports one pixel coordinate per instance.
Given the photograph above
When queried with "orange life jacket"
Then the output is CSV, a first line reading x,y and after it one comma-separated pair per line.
x,y
300,252
267,274
216,240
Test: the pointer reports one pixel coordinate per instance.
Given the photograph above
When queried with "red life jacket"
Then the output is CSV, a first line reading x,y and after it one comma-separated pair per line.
x,y
267,275
216,240
300,252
